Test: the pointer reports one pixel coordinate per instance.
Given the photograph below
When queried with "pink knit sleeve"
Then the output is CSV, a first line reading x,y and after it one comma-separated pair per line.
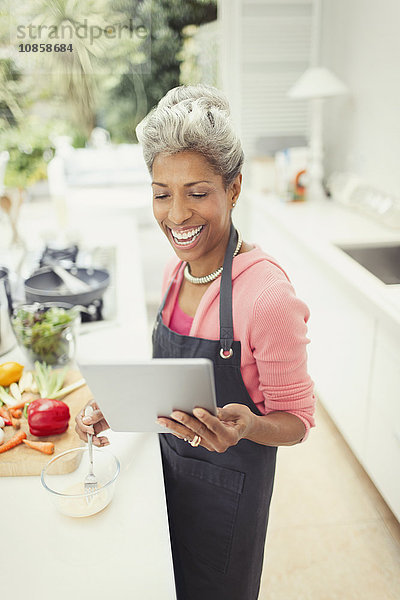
x,y
279,340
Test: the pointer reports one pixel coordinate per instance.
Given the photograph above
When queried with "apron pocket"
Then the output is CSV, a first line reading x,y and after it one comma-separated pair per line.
x,y
203,500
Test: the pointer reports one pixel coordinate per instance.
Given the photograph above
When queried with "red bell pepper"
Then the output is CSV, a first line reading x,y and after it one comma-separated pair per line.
x,y
48,417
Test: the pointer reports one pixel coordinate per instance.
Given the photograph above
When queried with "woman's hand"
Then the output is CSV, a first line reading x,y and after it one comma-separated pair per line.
x,y
94,425
217,433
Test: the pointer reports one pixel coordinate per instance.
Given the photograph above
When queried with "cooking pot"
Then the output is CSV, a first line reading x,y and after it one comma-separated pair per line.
x,y
7,338
46,286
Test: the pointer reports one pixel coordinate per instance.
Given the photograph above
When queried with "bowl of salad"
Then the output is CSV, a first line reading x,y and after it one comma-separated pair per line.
x,y
46,332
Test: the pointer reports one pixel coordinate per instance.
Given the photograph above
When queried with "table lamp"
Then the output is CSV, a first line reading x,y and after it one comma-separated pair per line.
x,y
316,84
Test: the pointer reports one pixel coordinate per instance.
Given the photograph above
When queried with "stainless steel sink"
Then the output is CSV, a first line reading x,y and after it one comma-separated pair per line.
x,y
382,260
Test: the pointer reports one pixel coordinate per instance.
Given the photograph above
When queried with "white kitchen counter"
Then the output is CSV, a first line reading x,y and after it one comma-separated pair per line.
x,y
354,324
122,551
318,226
125,549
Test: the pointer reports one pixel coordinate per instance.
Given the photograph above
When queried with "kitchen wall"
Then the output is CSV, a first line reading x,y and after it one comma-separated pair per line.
x,y
360,42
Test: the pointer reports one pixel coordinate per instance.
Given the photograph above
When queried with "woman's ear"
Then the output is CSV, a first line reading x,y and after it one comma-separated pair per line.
x,y
235,188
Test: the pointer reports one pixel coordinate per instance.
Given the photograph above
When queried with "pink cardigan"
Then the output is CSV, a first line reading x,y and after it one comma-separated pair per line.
x,y
269,321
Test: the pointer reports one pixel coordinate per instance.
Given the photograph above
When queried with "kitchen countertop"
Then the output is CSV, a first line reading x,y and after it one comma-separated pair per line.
x,y
124,549
319,226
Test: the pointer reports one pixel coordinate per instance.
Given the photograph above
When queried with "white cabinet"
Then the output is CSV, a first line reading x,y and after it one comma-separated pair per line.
x,y
341,333
341,349
354,355
383,432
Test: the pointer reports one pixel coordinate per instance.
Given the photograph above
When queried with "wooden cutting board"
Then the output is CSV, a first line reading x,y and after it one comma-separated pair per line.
x,y
22,460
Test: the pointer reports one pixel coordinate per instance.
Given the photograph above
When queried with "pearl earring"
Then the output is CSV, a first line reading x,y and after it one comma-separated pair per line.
x,y
233,204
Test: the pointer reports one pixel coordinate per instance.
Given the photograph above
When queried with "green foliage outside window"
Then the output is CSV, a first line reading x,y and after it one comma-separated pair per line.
x,y
75,103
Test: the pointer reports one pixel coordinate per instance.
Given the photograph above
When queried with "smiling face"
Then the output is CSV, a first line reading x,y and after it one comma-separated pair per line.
x,y
193,209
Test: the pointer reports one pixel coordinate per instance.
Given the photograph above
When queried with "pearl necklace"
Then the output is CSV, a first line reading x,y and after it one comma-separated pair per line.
x,y
214,274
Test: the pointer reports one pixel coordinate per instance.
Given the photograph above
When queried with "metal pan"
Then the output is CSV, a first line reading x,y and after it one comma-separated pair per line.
x,y
45,286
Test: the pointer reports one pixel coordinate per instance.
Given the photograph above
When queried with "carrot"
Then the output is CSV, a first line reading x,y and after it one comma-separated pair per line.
x,y
14,441
16,413
14,422
4,413
46,447
19,405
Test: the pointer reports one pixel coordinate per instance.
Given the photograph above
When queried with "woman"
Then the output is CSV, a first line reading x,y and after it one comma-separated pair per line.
x,y
226,300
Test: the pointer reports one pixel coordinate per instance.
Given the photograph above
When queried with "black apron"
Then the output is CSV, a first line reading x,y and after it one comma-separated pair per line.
x,y
218,503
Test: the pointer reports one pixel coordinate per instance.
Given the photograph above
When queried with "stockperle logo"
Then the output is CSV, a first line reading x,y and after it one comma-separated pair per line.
x,y
80,34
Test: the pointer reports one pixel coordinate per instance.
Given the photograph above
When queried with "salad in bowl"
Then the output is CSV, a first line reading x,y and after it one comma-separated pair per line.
x,y
47,332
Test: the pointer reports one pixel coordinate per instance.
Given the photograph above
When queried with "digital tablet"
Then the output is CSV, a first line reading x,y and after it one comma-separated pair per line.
x,y
132,396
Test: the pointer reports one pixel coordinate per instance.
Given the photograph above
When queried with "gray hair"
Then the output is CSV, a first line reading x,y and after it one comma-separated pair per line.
x,y
197,118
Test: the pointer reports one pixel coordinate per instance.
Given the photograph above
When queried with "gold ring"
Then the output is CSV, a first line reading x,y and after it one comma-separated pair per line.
x,y
195,441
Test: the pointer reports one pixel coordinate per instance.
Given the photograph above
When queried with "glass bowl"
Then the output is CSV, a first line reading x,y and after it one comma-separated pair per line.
x,y
51,342
63,478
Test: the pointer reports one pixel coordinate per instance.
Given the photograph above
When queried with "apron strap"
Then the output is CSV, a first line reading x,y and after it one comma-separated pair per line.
x,y
225,298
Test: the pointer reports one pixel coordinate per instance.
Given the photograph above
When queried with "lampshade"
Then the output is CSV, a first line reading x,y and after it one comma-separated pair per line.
x,y
317,82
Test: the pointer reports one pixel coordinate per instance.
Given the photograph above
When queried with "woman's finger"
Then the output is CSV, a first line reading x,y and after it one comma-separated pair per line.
x,y
182,432
192,423
100,441
81,434
97,441
95,417
81,428
212,423
214,433
173,427
100,426
211,441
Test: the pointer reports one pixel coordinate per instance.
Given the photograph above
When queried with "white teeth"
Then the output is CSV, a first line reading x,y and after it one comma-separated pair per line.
x,y
186,235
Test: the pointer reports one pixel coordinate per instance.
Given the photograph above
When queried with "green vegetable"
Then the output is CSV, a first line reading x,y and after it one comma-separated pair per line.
x,y
45,333
49,381
70,388
6,398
